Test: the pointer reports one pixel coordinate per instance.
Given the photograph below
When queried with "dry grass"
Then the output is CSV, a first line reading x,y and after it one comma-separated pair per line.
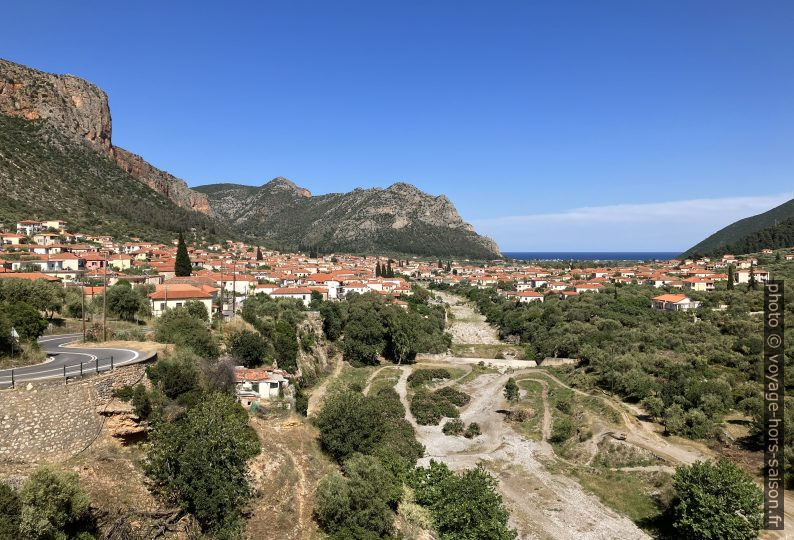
x,y
285,476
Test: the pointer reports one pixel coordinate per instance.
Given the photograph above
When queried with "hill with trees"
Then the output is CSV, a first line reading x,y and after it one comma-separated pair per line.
x,y
398,219
47,175
772,229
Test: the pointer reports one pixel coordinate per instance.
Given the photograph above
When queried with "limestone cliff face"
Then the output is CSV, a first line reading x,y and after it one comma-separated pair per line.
x,y
80,110
75,106
162,182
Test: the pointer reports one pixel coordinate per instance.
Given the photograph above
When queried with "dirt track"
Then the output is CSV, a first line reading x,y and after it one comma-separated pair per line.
x,y
542,505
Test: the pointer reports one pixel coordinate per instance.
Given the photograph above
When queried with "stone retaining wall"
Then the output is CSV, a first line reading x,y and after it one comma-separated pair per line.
x,y
51,421
550,361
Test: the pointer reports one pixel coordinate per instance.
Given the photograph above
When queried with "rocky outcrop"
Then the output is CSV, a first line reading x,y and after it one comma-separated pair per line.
x,y
71,104
398,219
169,185
79,109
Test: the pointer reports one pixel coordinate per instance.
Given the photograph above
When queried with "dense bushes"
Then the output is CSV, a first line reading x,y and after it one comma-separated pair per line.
x,y
377,447
361,503
248,348
373,328
182,328
430,407
716,500
199,461
464,506
277,323
422,376
350,422
50,504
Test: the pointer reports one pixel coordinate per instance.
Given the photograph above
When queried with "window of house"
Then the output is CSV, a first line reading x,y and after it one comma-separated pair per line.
x,y
179,304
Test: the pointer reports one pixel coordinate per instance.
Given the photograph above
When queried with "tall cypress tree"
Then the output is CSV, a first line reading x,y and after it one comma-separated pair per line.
x,y
258,253
182,267
389,271
731,277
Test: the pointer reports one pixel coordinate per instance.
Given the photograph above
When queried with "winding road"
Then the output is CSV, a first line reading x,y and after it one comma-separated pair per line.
x,y
60,355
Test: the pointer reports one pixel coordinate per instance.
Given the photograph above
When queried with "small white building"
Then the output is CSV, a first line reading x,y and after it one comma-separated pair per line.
x,y
176,295
252,385
303,294
529,296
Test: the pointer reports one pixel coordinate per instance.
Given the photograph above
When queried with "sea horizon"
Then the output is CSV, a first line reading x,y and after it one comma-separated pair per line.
x,y
591,255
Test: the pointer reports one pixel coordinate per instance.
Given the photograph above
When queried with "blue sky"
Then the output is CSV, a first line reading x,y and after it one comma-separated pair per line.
x,y
616,125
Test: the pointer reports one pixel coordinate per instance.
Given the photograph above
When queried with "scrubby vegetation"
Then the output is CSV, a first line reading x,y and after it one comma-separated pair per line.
x,y
277,321
55,176
424,376
372,328
688,369
50,504
430,407
377,451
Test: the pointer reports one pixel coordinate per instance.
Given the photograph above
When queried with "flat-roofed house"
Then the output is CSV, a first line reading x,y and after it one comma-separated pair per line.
x,y
674,302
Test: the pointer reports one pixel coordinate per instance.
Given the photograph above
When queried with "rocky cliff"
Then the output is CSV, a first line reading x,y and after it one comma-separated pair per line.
x,y
79,109
400,219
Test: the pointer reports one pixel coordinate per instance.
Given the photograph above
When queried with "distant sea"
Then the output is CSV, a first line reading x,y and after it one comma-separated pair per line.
x,y
591,255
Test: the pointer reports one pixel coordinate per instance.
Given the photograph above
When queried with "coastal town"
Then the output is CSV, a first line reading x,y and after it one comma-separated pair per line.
x,y
226,273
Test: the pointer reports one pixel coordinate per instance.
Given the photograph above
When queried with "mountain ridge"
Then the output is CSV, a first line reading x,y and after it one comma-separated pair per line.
x,y
358,220
400,218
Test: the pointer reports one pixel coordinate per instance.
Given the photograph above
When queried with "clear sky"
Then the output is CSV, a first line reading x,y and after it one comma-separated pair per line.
x,y
552,125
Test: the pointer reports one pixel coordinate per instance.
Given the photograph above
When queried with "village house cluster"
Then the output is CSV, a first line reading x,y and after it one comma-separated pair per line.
x,y
534,283
223,276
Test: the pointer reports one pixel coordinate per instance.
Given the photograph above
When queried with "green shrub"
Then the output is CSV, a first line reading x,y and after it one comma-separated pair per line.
x,y
453,427
429,409
562,430
453,395
472,430
422,376
10,510
124,393
141,402
53,505
716,500
248,348
200,461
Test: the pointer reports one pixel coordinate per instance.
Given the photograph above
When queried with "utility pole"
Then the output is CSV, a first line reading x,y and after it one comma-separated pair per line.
x,y
234,288
82,303
105,304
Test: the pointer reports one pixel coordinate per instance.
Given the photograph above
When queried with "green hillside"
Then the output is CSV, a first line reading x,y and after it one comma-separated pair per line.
x,y
45,175
752,231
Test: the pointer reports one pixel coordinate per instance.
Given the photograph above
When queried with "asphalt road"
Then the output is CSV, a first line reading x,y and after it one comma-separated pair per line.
x,y
59,356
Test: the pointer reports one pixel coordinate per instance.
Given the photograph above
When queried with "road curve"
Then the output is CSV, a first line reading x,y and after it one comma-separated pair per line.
x,y
59,355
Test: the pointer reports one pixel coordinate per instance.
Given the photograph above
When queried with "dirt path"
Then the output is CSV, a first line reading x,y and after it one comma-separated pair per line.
x,y
319,393
468,326
546,430
645,434
542,504
372,378
284,477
